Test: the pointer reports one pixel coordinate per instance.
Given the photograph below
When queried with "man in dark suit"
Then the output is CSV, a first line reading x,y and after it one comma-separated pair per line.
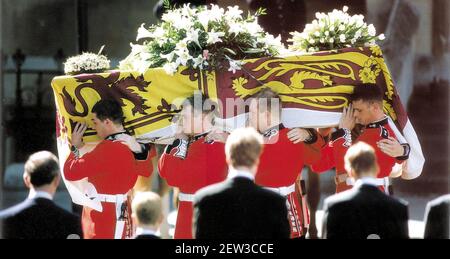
x,y
147,215
364,211
237,208
437,218
38,217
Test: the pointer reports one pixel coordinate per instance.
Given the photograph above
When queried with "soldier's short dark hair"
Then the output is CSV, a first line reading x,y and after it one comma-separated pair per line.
x,y
108,109
42,168
367,93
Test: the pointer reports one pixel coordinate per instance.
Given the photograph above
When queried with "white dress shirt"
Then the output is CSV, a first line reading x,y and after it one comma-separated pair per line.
x,y
145,231
39,194
232,173
367,180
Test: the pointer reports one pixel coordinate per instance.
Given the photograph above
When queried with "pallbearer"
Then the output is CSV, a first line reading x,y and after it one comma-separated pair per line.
x,y
195,159
366,113
282,160
112,167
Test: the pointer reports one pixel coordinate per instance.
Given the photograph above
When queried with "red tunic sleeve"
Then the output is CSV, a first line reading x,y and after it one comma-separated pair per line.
x,y
144,167
312,153
371,136
168,166
204,165
85,166
341,140
326,161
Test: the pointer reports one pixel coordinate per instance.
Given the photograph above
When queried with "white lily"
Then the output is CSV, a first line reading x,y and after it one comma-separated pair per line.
x,y
136,48
359,20
233,13
181,45
252,27
198,61
141,65
183,23
145,55
371,30
274,41
168,57
216,13
187,11
214,37
143,33
204,18
171,16
170,68
234,65
319,15
235,28
183,58
192,36
159,32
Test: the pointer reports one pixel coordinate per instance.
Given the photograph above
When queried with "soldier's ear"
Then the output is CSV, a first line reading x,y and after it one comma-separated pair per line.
x,y
377,105
108,122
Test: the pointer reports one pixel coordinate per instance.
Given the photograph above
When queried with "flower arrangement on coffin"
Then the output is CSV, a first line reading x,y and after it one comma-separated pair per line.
x,y
86,63
334,30
205,37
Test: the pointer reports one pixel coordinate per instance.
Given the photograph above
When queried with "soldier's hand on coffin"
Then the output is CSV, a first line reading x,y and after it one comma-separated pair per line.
x,y
391,147
297,135
347,120
77,135
130,141
217,135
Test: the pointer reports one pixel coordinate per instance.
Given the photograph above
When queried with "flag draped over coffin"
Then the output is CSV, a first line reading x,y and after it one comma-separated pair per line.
x,y
313,88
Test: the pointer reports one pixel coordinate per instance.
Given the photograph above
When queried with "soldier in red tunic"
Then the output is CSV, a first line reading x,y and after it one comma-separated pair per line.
x,y
194,160
282,160
112,168
365,111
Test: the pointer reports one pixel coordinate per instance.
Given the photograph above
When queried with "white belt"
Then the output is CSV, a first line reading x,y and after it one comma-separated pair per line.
x,y
283,191
118,199
186,197
112,198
